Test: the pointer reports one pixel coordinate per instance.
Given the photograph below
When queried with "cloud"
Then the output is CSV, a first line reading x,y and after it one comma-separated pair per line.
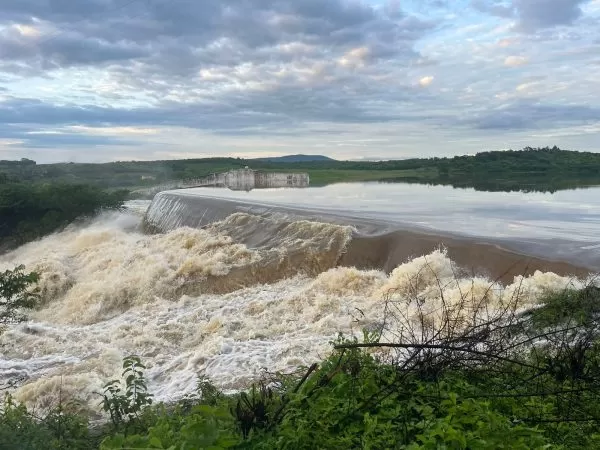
x,y
74,140
357,57
286,105
507,42
515,61
35,53
185,37
538,14
533,15
254,75
493,7
26,137
524,87
226,65
523,115
426,81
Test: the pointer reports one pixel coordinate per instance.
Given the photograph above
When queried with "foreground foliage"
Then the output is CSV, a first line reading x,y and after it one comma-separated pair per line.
x,y
16,294
21,429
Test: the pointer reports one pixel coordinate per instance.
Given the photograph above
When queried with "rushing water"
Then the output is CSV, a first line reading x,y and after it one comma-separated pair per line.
x,y
246,291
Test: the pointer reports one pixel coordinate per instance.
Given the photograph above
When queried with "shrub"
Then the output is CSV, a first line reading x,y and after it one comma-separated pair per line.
x,y
125,406
204,427
16,294
57,430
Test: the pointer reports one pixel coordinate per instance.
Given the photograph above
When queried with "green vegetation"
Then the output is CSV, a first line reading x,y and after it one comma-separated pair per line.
x,y
543,169
461,376
16,294
125,403
21,429
32,210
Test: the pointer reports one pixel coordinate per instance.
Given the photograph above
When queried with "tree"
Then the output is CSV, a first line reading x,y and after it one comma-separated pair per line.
x,y
16,294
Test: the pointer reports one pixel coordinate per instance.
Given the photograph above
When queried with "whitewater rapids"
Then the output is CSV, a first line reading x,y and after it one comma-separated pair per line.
x,y
196,302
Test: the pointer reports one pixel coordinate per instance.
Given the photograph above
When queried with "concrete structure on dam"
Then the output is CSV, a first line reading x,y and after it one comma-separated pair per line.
x,y
244,179
247,179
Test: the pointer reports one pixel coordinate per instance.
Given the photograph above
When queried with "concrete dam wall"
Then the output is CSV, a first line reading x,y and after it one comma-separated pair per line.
x,y
373,244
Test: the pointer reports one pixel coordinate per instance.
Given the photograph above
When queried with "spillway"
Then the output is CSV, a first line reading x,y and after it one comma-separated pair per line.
x,y
376,242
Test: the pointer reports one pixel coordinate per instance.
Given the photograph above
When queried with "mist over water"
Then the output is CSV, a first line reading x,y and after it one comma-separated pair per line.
x,y
242,294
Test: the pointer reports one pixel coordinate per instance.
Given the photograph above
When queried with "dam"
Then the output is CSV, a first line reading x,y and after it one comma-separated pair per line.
x,y
392,223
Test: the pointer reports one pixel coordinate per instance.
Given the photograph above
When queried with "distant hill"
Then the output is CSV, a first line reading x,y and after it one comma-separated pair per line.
x,y
295,158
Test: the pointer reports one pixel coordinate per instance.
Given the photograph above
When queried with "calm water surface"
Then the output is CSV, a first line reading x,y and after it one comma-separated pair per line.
x,y
572,215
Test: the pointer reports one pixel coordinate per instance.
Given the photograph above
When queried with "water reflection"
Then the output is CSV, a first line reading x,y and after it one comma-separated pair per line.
x,y
516,183
569,214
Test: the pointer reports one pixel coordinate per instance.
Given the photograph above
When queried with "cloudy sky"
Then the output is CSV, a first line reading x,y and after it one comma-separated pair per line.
x,y
103,80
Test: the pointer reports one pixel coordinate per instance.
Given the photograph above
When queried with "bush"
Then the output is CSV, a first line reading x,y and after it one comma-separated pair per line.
x,y
204,427
16,294
354,401
126,404
58,430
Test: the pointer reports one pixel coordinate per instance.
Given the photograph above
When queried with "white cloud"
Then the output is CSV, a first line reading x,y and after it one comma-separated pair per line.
x,y
126,131
523,87
7,142
507,42
355,58
515,61
28,30
254,76
426,81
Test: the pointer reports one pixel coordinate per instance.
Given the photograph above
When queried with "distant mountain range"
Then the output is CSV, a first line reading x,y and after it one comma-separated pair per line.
x,y
295,158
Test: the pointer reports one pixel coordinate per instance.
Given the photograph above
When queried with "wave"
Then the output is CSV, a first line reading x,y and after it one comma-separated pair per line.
x,y
243,293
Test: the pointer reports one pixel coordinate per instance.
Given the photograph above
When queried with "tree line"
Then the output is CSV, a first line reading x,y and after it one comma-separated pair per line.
x,y
32,210
547,168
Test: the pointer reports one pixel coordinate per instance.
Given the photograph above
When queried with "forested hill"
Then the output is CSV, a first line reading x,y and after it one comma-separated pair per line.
x,y
536,169
528,160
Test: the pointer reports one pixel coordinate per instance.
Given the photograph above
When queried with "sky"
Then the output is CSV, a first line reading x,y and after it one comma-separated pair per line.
x,y
108,80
